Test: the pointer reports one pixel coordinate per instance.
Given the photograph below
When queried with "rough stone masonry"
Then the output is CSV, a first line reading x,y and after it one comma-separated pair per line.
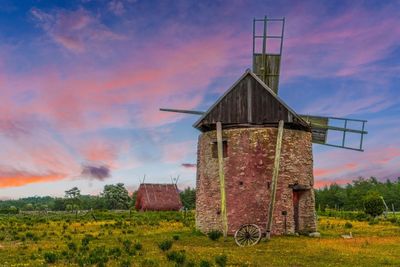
x,y
248,167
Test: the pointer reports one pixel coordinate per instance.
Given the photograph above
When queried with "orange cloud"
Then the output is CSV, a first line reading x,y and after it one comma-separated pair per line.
x,y
100,151
20,179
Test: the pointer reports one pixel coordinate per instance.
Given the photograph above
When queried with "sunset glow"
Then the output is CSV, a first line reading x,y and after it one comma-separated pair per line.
x,y
81,84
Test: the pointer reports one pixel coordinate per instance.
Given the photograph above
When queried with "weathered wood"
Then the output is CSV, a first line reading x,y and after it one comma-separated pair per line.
x,y
275,178
222,179
248,101
319,134
267,68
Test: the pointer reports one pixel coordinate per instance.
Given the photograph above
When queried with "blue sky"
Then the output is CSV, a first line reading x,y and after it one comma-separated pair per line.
x,y
81,83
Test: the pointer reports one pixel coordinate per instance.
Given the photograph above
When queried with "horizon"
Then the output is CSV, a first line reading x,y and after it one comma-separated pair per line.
x,y
82,82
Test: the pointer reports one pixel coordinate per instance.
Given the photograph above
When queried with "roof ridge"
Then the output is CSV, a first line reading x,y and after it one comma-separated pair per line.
x,y
269,90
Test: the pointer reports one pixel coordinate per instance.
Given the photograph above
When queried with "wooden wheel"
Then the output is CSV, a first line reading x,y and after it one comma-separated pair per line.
x,y
247,235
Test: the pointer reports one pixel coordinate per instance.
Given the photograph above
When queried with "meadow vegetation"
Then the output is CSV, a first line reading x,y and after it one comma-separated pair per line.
x,y
170,239
104,230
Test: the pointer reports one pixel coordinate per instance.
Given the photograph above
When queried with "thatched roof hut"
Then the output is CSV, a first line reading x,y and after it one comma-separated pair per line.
x,y
158,197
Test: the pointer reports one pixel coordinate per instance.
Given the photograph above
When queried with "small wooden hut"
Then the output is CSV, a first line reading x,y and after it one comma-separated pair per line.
x,y
158,197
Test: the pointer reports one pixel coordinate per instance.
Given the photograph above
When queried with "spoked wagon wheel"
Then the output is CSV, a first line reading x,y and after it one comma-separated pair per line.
x,y
247,235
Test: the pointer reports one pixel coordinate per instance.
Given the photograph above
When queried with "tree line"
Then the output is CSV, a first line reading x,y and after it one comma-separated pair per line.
x,y
352,196
113,197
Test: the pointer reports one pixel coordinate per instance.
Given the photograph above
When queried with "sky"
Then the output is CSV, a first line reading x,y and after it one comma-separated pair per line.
x,y
82,81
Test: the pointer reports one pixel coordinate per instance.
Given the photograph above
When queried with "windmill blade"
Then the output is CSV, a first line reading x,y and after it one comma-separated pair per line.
x,y
320,126
267,50
194,112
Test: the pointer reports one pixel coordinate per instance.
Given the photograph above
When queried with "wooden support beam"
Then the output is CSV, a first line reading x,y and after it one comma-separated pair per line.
x,y
275,178
222,179
249,102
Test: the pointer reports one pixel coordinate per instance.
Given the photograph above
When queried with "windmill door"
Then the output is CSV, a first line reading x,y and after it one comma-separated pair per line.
x,y
296,198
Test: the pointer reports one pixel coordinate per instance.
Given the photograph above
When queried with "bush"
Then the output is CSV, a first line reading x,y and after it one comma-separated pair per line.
x,y
221,260
190,263
373,221
373,204
30,235
86,240
361,216
178,257
98,256
348,225
126,263
205,263
149,263
165,245
214,235
50,257
127,245
176,237
115,252
72,246
138,246
196,232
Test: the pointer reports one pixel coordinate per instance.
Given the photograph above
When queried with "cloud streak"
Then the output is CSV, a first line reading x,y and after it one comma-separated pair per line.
x,y
74,30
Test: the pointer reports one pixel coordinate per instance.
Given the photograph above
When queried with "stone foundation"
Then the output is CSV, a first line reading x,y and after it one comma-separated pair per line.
x,y
248,171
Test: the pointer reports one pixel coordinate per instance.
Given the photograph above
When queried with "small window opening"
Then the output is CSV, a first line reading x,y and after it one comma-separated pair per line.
x,y
268,185
218,212
224,149
240,183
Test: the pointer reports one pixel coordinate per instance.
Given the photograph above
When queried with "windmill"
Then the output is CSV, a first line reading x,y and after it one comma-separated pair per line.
x,y
255,162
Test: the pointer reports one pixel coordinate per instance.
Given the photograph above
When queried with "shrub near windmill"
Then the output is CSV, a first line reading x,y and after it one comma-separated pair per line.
x,y
254,161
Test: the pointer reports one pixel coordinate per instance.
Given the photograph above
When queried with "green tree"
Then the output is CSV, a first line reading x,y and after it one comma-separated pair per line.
x,y
134,196
116,196
188,198
29,207
59,204
373,204
73,198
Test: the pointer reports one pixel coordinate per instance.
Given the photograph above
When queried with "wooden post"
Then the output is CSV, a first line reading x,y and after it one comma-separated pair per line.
x,y
222,179
275,178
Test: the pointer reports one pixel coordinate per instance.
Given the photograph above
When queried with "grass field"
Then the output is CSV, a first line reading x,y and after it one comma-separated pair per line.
x,y
118,239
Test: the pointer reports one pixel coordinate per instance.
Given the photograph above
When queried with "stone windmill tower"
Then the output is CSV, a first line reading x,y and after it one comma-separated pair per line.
x,y
254,159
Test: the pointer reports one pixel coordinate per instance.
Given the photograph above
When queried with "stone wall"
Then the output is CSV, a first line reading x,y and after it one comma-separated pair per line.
x,y
248,171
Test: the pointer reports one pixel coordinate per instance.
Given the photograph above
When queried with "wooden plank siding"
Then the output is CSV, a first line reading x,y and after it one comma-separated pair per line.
x,y
267,68
248,103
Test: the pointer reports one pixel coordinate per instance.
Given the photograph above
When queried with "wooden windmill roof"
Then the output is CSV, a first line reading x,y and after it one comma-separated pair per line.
x,y
158,197
249,102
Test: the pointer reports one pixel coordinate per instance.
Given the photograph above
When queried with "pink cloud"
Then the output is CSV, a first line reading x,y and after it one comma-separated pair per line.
x,y
116,7
74,30
345,102
335,165
82,99
98,98
340,46
323,183
70,42
177,152
99,151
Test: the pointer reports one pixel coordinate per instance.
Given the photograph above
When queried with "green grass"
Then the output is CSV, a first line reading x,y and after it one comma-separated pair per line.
x,y
117,239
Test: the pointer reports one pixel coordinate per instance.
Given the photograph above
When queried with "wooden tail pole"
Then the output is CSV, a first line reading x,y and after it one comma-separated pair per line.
x,y
222,179
275,178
